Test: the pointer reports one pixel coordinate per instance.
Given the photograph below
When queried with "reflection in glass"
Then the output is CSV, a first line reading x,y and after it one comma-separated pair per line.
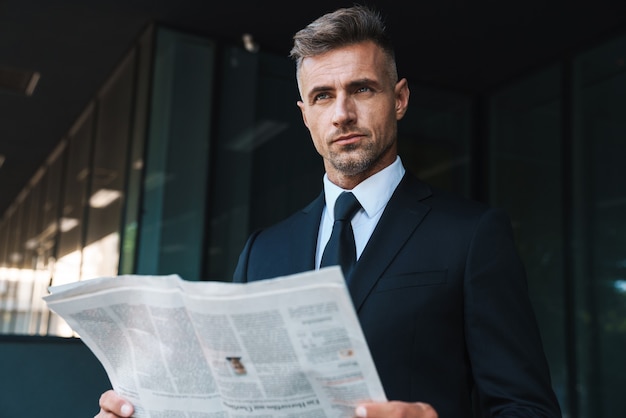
x,y
170,232
601,229
434,138
525,179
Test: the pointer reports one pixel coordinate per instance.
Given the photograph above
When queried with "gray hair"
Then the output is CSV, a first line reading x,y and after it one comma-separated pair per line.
x,y
343,27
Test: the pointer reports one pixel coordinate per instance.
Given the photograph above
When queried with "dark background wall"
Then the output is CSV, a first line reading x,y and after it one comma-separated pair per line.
x,y
49,377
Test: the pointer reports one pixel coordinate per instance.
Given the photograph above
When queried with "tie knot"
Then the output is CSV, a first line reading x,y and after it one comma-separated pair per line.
x,y
346,206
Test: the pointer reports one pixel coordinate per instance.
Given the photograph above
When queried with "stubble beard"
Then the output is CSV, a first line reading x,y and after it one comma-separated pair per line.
x,y
355,159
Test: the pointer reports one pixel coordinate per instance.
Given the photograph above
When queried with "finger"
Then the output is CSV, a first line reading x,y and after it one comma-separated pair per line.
x,y
395,409
428,411
111,402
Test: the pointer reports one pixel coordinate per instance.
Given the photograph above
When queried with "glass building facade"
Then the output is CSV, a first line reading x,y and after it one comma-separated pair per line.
x,y
191,145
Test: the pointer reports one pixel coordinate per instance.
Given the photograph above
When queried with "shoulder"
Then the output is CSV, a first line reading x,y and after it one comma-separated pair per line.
x,y
450,209
438,198
285,247
309,215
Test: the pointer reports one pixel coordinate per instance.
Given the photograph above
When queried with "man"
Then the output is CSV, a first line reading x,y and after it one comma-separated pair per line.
x,y
438,286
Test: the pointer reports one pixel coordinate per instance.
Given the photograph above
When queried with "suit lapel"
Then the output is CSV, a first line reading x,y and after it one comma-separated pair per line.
x,y
401,217
302,248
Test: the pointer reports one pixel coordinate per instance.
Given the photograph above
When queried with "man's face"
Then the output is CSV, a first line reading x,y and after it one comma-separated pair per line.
x,y
351,108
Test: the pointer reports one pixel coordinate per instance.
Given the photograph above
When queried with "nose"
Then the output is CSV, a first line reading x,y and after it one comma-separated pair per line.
x,y
344,111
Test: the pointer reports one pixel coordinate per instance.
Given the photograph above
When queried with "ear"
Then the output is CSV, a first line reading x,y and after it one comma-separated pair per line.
x,y
402,98
302,110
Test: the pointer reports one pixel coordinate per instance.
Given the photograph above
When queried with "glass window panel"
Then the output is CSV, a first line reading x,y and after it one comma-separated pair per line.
x,y
71,225
26,273
35,251
286,170
132,214
601,231
51,211
6,281
4,266
4,242
108,181
435,137
14,258
174,200
51,198
525,179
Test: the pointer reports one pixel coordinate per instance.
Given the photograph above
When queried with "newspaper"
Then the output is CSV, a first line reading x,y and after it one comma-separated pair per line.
x,y
290,346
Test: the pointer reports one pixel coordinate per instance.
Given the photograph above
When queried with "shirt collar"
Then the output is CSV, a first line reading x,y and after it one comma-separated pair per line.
x,y
373,193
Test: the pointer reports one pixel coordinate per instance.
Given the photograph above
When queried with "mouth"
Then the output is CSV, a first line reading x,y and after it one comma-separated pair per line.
x,y
347,139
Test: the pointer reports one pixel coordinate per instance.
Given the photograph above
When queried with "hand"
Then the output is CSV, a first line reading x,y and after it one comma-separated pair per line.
x,y
113,405
395,409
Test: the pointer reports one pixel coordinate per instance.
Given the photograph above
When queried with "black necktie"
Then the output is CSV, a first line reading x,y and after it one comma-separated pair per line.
x,y
341,249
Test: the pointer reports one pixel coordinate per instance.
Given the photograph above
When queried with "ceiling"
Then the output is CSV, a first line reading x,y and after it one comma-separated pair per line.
x,y
469,46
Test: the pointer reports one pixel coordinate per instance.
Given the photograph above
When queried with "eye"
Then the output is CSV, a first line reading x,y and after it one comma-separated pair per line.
x,y
363,89
320,96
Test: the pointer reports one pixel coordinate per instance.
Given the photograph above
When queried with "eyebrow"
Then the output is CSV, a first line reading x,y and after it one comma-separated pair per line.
x,y
364,82
351,85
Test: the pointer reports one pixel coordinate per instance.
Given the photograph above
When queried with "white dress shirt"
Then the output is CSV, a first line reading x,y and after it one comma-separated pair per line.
x,y
373,194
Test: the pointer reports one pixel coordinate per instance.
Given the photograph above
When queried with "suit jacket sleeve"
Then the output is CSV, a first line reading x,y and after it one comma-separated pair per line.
x,y
503,341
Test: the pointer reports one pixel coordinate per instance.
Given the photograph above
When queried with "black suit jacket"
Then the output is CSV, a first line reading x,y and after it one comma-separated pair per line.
x,y
442,298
